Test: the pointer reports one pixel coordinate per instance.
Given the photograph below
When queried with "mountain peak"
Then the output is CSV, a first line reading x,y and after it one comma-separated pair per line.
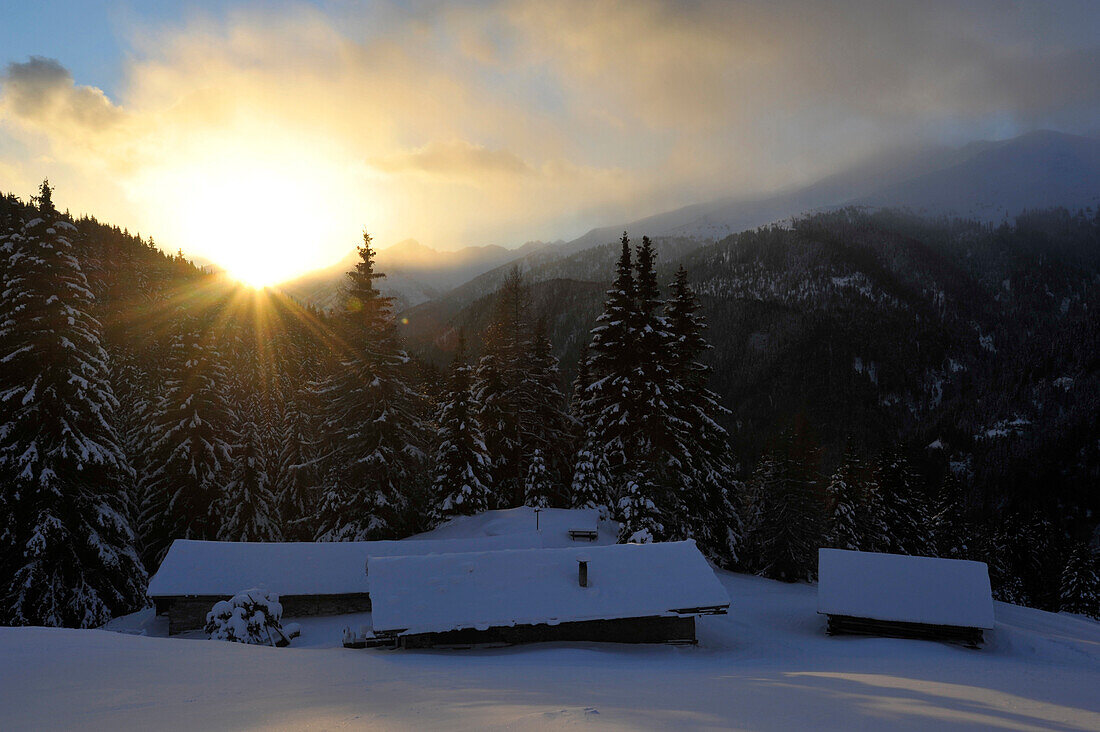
x,y
406,247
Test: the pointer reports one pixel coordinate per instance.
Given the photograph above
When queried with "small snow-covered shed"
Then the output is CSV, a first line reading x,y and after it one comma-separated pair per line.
x,y
311,578
903,596
630,593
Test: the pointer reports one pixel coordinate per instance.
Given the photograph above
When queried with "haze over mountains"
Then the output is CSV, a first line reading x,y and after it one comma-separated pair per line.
x,y
415,272
985,181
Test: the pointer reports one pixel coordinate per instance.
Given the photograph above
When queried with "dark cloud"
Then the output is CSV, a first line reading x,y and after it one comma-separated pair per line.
x,y
42,91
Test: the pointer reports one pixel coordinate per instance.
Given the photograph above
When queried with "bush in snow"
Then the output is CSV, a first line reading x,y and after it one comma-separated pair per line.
x,y
253,616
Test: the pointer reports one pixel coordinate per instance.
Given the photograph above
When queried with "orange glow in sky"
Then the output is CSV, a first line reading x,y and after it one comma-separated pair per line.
x,y
258,215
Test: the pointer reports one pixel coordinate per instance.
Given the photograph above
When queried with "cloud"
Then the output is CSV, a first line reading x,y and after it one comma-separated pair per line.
x,y
457,159
41,91
499,122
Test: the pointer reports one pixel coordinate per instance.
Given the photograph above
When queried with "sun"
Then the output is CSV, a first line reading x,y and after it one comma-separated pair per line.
x,y
262,215
262,226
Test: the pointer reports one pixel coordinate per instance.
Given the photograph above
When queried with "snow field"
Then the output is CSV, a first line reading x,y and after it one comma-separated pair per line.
x,y
767,665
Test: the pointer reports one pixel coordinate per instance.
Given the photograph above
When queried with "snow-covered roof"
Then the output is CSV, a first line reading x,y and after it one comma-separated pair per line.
x,y
893,587
296,568
424,594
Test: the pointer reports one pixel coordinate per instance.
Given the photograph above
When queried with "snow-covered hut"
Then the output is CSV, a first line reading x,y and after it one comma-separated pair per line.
x,y
630,593
902,596
311,578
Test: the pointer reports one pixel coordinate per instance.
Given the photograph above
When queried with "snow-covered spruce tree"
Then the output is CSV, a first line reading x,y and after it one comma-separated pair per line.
x,y
611,351
248,507
949,526
1081,583
521,406
499,390
590,485
497,423
136,399
297,473
751,509
843,505
631,392
638,512
708,472
611,354
580,386
373,435
67,554
546,427
908,518
1024,558
538,490
12,215
996,550
659,391
190,452
874,531
854,507
461,467
10,225
589,488
652,400
790,529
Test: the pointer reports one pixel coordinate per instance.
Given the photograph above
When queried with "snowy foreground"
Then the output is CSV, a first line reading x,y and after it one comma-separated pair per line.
x,y
767,665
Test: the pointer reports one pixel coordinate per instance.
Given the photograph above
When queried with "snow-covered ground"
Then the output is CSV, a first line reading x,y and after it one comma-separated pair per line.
x,y
766,665
553,525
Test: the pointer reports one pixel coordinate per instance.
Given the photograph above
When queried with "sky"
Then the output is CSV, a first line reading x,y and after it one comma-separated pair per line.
x,y
267,136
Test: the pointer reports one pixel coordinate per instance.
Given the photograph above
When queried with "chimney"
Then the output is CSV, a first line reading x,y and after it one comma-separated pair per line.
x,y
582,572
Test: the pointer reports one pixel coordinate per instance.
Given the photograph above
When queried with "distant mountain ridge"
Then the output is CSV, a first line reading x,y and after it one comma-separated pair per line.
x,y
985,181
988,181
415,272
998,180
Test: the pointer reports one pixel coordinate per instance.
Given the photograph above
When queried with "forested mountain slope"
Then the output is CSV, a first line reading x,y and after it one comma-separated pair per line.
x,y
975,346
415,273
983,342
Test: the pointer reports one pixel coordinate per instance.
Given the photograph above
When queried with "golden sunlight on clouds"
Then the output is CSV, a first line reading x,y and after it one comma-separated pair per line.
x,y
266,145
266,140
257,210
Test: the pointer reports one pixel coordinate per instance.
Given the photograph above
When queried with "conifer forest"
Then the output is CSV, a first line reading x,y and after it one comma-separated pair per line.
x,y
872,381
527,365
